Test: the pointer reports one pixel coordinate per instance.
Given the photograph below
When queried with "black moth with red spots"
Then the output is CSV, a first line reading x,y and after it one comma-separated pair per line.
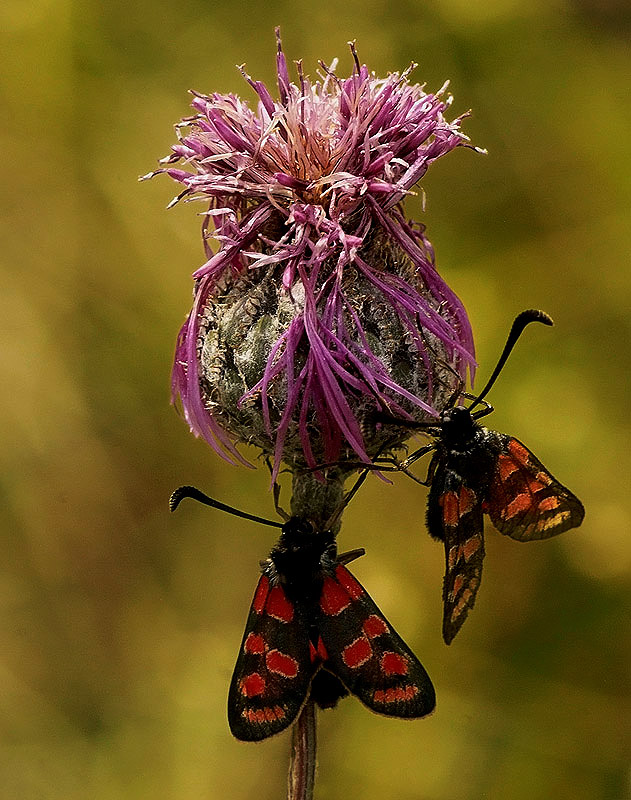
x,y
476,471
313,628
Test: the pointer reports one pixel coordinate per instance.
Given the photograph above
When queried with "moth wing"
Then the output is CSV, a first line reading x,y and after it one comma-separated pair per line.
x,y
456,510
360,647
525,501
273,672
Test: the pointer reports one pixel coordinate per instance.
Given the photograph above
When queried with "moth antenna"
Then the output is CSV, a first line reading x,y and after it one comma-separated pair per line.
x,y
195,494
517,328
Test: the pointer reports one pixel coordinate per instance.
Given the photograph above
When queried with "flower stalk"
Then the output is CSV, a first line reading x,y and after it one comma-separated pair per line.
x,y
302,764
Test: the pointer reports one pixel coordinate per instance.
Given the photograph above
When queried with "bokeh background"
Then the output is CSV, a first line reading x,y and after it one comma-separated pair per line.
x,y
119,623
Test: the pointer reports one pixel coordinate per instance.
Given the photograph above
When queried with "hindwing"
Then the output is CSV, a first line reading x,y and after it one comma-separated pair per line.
x,y
524,501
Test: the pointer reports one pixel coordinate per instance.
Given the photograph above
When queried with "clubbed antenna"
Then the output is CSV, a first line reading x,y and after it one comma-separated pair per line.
x,y
195,494
517,328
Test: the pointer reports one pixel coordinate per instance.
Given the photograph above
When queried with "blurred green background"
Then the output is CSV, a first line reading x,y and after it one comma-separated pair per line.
x,y
120,624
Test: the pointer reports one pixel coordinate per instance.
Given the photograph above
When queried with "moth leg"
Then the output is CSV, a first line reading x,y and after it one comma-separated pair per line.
x,y
346,500
276,494
403,466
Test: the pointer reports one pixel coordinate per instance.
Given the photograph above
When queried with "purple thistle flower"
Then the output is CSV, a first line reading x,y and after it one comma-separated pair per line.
x,y
322,302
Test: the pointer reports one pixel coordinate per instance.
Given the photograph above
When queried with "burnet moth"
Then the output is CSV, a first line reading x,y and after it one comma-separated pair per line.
x,y
313,630
476,471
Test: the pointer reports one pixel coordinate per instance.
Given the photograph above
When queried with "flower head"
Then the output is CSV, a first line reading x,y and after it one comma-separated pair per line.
x,y
321,302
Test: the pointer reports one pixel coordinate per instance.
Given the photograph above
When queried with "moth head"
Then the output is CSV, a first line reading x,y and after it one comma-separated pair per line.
x,y
457,423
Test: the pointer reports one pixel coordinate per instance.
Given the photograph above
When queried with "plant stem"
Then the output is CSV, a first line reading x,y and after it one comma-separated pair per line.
x,y
315,499
302,764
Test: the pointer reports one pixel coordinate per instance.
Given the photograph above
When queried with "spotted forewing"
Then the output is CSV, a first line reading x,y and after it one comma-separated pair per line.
x,y
272,675
367,654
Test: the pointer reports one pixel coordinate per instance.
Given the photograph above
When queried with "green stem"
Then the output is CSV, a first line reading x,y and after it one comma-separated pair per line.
x,y
316,500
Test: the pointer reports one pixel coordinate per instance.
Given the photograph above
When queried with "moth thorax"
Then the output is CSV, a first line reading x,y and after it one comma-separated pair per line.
x,y
300,550
458,426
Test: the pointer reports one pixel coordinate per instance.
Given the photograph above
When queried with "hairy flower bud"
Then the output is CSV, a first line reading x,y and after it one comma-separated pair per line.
x,y
321,304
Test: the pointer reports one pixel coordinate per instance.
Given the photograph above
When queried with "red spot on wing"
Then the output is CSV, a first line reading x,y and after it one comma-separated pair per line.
x,y
458,584
395,694
519,452
281,664
318,652
334,598
254,715
278,606
466,500
357,653
465,550
254,643
259,716
535,485
465,599
549,503
261,593
322,649
505,466
449,503
375,626
272,714
471,547
394,664
522,502
354,589
252,685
